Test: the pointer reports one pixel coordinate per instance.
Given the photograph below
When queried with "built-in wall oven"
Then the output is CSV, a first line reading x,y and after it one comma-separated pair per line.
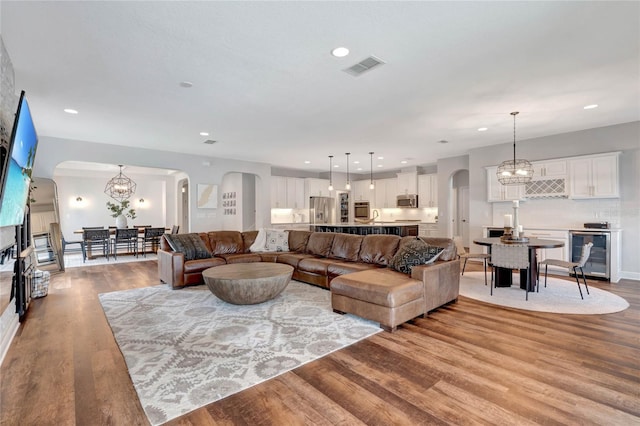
x,y
599,263
361,210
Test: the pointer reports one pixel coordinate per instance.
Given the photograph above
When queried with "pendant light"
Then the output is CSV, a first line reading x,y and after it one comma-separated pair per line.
x,y
120,187
331,173
371,185
516,171
348,185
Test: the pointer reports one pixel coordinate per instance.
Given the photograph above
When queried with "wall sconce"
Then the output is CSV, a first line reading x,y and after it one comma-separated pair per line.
x,y
79,199
141,200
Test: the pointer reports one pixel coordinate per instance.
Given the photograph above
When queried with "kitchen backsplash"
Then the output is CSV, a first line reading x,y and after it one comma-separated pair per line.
x,y
385,215
562,213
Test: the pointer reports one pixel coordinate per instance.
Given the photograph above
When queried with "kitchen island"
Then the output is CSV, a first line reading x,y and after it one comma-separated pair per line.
x,y
390,228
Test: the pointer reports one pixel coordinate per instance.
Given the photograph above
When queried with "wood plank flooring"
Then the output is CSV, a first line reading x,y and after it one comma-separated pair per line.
x,y
468,363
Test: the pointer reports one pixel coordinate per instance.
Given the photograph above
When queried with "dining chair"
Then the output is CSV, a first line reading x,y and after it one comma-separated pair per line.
x,y
510,256
463,254
574,266
175,229
80,244
125,237
97,237
151,239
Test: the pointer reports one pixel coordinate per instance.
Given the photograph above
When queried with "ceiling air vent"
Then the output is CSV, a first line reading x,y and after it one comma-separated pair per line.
x,y
210,142
363,66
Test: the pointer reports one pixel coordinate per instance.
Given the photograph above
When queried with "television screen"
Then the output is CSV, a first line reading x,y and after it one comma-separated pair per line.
x,y
18,168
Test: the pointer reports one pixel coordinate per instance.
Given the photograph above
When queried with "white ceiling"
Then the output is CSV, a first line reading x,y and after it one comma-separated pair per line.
x,y
267,89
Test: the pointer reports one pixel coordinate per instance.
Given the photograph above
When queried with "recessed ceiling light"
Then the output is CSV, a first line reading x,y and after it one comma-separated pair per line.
x,y
70,111
340,52
592,106
403,162
186,84
380,158
204,133
483,129
379,165
335,166
359,168
307,162
356,162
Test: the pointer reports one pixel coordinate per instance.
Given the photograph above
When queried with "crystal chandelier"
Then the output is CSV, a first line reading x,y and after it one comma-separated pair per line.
x,y
516,171
120,187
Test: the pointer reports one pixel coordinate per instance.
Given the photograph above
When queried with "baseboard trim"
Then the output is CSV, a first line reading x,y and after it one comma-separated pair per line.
x,y
9,332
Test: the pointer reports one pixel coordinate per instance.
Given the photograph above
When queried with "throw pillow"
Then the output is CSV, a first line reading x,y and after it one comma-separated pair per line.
x,y
260,242
415,252
277,240
191,245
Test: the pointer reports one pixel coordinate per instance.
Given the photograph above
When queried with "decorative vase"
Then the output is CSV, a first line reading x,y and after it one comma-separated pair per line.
x,y
121,221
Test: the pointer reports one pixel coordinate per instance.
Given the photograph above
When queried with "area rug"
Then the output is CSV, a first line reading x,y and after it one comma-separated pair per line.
x,y
74,260
187,348
560,296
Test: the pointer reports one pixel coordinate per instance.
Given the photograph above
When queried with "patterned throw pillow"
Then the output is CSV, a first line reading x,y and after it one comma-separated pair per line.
x,y
277,240
415,252
190,244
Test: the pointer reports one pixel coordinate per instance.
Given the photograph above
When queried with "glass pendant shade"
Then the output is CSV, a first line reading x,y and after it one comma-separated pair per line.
x,y
120,187
516,171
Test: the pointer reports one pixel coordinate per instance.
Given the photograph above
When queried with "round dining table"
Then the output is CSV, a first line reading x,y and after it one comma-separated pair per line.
x,y
503,276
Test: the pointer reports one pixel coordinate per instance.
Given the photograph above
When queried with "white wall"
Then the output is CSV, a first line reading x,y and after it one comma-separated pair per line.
x,y
624,211
199,169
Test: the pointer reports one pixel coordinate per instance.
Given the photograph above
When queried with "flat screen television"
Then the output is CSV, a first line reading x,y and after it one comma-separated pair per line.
x,y
16,172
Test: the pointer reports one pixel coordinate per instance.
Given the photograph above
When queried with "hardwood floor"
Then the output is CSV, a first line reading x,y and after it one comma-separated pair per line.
x,y
467,363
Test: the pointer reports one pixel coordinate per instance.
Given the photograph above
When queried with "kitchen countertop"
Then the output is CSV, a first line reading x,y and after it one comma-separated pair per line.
x,y
370,224
558,228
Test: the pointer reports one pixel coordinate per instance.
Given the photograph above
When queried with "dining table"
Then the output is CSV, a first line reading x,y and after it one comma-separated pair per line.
x,y
503,276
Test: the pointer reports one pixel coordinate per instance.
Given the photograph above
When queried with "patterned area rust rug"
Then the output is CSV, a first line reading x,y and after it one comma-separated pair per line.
x,y
186,348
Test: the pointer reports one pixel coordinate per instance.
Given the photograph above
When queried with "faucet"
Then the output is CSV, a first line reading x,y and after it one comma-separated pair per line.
x,y
375,214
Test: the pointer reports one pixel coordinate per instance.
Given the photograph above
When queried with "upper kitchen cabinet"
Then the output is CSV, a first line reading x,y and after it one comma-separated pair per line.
x,y
594,176
549,180
316,188
287,193
361,191
428,190
499,192
386,193
407,183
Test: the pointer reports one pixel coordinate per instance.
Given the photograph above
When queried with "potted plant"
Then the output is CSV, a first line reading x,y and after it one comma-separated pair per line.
x,y
121,212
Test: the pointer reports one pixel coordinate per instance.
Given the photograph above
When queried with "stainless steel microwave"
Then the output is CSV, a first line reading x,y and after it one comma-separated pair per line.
x,y
407,201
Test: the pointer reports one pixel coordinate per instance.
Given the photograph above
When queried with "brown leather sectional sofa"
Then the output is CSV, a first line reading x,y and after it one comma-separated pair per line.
x,y
356,264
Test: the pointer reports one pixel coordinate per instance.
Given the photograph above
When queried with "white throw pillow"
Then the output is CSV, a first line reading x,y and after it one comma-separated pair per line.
x,y
260,242
277,240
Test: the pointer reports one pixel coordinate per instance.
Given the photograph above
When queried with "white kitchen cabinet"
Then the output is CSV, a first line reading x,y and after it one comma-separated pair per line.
x,y
278,192
499,192
407,183
549,169
385,193
316,188
428,190
295,193
428,229
561,253
287,193
361,191
594,176
549,180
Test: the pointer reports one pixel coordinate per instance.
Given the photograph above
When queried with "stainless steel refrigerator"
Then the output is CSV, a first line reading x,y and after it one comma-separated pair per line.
x,y
322,210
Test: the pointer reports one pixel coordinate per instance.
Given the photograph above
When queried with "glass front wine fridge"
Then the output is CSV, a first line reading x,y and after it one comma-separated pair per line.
x,y
598,264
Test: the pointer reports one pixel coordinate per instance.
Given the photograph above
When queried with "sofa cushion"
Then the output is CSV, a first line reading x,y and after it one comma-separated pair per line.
x,y
298,240
223,242
191,245
320,243
412,253
277,240
241,257
378,249
346,247
343,267
383,287
292,258
248,238
200,265
314,265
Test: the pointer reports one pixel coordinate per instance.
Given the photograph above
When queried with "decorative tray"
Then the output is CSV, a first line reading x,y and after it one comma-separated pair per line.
x,y
508,239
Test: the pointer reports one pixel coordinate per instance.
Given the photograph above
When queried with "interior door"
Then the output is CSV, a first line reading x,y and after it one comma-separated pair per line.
x,y
184,191
463,213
